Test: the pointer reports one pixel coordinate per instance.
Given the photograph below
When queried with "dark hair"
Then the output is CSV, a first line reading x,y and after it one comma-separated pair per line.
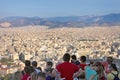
x,y
113,66
100,70
34,64
73,57
41,74
83,58
27,69
109,59
91,62
66,57
97,64
49,63
27,63
32,69
39,68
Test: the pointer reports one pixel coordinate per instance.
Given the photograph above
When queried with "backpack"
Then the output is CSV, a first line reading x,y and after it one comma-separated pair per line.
x,y
116,76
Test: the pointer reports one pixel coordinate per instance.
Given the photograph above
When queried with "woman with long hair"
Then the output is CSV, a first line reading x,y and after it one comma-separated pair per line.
x,y
99,68
114,72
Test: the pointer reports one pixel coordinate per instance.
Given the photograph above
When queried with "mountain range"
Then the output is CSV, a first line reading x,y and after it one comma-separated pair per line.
x,y
56,22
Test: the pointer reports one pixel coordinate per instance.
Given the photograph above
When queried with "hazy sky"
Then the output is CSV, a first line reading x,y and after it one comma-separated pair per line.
x,y
53,8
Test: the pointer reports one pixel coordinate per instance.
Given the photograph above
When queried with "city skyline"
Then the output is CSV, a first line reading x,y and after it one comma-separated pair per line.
x,y
55,8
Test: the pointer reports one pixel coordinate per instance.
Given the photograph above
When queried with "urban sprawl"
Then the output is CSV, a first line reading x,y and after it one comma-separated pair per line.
x,y
37,43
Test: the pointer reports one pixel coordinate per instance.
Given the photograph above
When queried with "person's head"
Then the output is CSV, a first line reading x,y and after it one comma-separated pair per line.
x,y
39,68
27,70
31,69
34,75
83,58
66,57
34,64
109,60
73,57
27,63
17,75
91,63
41,76
98,67
49,64
113,67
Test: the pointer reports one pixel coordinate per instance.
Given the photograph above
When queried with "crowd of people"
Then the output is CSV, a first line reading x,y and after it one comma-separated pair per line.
x,y
70,69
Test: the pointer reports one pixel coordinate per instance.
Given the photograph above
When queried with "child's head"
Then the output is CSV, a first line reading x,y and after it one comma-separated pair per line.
x,y
113,67
27,63
74,57
109,60
83,58
49,64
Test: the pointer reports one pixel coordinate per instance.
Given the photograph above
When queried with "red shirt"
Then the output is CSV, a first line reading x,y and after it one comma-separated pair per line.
x,y
67,70
26,77
82,66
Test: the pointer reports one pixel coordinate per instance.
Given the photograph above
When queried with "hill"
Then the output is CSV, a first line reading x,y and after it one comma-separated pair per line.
x,y
55,22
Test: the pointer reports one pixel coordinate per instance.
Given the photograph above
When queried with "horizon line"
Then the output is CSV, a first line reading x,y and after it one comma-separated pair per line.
x,y
60,16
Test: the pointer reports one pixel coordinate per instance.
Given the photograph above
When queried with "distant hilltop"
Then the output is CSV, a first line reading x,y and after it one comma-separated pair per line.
x,y
57,22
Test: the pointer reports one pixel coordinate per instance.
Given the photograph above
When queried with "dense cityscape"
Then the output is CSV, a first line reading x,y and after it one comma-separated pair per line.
x,y
37,43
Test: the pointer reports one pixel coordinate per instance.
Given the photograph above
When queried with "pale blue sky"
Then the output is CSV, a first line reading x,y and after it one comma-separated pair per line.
x,y
55,8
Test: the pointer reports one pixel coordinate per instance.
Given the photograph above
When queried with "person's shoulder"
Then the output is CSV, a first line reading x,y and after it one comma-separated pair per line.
x,y
59,65
114,72
84,64
73,64
93,71
110,75
37,71
67,63
87,67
